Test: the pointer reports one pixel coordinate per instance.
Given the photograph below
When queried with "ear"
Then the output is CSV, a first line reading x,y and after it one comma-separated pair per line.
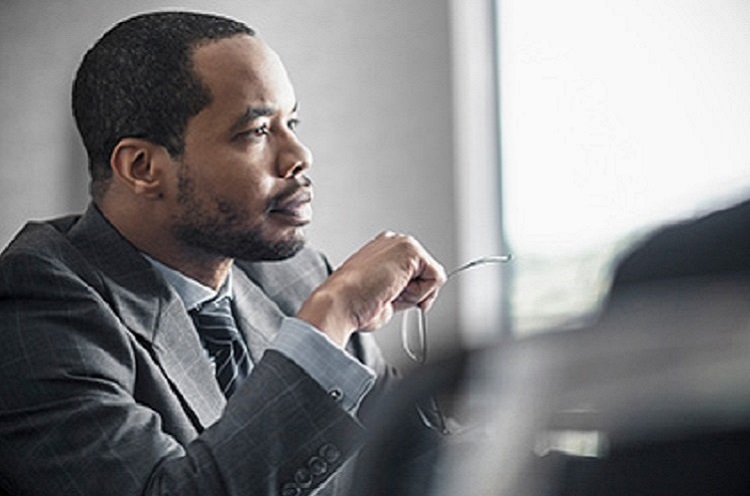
x,y
138,165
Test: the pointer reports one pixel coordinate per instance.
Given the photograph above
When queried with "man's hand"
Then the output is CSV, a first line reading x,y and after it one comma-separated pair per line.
x,y
392,272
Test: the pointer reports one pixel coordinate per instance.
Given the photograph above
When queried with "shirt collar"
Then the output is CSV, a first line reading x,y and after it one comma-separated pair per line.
x,y
192,293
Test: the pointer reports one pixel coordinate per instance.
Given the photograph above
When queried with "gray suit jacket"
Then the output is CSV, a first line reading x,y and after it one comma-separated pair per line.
x,y
105,388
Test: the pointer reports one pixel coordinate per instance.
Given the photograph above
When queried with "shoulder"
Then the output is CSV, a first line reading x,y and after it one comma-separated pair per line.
x,y
41,236
39,248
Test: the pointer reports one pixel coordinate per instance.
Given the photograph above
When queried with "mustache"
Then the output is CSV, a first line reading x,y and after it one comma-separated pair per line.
x,y
295,187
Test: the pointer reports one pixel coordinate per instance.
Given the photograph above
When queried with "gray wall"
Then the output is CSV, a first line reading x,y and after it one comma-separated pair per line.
x,y
374,83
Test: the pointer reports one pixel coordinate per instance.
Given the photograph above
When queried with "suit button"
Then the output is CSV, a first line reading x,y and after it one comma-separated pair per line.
x,y
290,489
303,478
336,394
317,466
329,453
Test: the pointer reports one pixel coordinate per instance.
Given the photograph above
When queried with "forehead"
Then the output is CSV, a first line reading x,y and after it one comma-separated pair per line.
x,y
242,72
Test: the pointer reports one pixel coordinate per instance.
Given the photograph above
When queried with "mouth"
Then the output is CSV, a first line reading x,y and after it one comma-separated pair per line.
x,y
294,209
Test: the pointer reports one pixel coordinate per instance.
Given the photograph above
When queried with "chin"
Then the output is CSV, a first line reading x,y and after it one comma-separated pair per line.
x,y
277,249
283,251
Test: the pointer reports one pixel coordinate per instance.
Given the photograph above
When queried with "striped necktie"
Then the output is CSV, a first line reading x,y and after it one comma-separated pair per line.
x,y
222,340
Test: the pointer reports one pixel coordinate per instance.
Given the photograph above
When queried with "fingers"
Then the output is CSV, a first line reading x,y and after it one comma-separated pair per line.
x,y
422,289
419,275
391,272
418,293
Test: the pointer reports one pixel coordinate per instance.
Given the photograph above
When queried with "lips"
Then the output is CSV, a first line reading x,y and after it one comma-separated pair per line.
x,y
295,208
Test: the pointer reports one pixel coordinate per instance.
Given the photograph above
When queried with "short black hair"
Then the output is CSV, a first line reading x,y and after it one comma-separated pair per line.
x,y
138,81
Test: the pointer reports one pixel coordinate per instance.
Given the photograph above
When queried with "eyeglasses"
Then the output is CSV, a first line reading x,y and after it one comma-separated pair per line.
x,y
429,411
419,355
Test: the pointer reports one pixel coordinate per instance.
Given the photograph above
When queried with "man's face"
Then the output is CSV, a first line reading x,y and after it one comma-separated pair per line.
x,y
241,188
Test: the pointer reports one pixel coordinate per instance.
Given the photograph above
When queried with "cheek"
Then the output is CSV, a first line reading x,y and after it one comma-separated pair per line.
x,y
249,192
233,178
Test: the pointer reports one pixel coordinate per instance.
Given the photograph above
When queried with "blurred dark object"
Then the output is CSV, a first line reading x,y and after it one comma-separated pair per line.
x,y
404,444
715,245
652,399
671,382
652,403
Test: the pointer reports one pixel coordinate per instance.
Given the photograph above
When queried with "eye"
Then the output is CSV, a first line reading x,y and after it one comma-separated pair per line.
x,y
260,130
255,132
292,124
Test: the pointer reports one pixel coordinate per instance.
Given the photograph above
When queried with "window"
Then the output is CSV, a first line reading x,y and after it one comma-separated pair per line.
x,y
614,117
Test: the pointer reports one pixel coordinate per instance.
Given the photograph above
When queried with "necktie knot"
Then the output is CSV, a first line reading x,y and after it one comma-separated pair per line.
x,y
223,341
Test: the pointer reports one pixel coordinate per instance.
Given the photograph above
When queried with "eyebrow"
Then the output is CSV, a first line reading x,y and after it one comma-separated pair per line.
x,y
252,113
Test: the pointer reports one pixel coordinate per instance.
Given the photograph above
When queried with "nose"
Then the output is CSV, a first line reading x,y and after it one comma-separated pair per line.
x,y
294,158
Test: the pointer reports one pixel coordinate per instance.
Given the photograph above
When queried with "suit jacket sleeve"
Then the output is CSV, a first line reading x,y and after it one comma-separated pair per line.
x,y
70,422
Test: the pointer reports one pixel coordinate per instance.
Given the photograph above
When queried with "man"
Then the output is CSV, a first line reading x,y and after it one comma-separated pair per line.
x,y
111,381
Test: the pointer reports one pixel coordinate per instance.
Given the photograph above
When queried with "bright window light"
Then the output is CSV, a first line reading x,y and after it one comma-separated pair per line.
x,y
615,117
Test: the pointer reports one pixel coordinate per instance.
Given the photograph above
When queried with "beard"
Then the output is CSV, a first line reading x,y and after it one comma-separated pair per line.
x,y
219,230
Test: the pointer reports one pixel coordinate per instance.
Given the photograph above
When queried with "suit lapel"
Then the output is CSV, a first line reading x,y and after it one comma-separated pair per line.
x,y
257,316
183,360
152,311
265,292
288,283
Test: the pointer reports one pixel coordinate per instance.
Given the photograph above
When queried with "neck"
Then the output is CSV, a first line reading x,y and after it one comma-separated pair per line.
x,y
211,272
